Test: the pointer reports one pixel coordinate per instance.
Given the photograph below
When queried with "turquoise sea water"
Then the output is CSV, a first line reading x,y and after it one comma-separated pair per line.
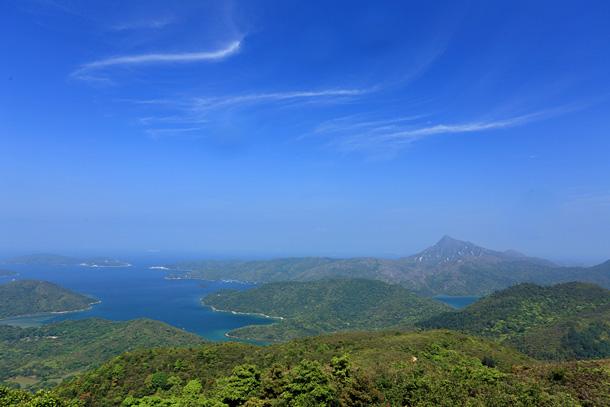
x,y
138,292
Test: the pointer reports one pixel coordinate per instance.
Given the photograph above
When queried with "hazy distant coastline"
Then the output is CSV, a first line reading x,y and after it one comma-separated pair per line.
x,y
450,267
59,260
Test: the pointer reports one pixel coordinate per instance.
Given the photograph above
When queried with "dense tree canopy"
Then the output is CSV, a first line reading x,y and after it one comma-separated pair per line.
x,y
565,321
312,308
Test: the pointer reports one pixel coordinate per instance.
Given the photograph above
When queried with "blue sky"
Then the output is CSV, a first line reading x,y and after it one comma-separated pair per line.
x,y
290,128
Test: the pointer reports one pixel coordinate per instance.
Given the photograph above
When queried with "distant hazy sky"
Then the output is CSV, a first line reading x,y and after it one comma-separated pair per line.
x,y
305,127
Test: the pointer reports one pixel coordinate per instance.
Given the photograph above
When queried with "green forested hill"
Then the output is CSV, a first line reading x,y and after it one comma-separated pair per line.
x,y
565,321
38,356
23,297
312,308
433,368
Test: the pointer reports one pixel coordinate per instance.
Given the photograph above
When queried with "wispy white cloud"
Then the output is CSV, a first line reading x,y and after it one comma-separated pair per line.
x,y
164,58
171,119
386,137
421,132
349,123
204,104
203,109
173,132
156,23
86,71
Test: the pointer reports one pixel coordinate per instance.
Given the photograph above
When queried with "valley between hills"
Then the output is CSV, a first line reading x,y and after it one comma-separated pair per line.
x,y
348,332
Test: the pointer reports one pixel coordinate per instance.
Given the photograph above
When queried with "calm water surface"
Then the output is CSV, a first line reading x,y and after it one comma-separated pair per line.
x,y
139,292
457,301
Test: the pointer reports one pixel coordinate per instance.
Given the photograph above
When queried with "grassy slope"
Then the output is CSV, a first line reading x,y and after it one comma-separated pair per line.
x,y
23,297
385,368
312,308
55,350
565,321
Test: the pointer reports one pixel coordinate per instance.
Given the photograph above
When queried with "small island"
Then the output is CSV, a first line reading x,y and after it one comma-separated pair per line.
x,y
104,262
58,260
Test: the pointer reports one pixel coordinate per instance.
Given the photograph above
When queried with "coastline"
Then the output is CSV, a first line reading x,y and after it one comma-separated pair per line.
x,y
259,314
228,335
103,266
177,274
185,275
40,314
245,339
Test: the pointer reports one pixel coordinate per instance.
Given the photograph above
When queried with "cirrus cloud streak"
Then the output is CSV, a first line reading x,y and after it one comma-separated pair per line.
x,y
386,137
85,71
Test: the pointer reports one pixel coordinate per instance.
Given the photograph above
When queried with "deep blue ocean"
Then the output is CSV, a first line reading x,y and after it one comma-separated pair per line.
x,y
138,292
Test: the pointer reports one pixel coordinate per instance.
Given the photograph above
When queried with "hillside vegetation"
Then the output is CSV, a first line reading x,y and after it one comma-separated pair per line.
x,y
450,267
312,308
565,321
38,357
24,297
433,368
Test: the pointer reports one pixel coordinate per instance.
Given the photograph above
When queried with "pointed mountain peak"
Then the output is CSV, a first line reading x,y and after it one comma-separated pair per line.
x,y
448,250
451,252
449,243
448,239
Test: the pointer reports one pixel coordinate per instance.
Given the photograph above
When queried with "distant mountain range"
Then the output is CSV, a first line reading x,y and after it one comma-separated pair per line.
x,y
450,267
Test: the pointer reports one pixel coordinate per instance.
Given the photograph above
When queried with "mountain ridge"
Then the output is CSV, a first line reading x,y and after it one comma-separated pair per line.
x,y
449,249
449,267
